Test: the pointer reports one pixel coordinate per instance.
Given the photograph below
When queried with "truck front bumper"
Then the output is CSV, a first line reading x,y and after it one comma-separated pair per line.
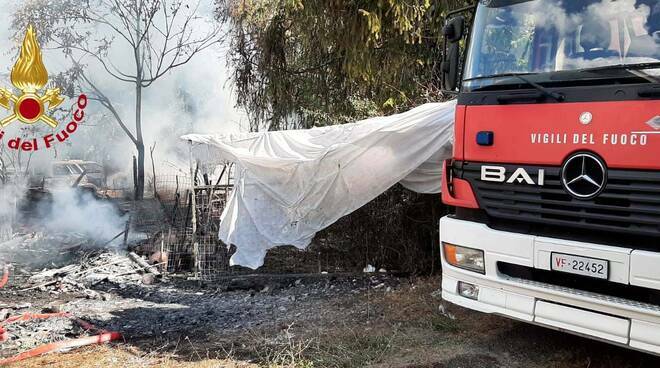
x,y
609,318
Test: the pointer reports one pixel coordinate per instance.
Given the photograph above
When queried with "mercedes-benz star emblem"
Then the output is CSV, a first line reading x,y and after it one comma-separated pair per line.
x,y
654,122
586,118
584,175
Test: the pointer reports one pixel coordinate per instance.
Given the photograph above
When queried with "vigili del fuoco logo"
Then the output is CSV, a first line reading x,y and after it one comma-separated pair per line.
x,y
31,105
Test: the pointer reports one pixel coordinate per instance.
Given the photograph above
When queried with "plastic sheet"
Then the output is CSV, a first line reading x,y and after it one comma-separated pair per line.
x,y
291,184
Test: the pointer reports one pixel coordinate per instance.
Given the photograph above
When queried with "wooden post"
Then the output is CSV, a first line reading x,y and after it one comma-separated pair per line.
x,y
162,248
193,205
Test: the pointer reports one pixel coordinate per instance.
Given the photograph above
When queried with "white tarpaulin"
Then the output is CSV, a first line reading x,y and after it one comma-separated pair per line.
x,y
291,184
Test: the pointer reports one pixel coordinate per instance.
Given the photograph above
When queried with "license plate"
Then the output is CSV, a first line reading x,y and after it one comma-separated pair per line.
x,y
585,266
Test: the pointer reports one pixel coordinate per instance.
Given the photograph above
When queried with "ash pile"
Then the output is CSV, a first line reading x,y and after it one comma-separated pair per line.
x,y
92,269
57,245
70,237
39,297
68,247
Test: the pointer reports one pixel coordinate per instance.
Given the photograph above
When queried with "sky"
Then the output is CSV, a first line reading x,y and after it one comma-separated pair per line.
x,y
204,80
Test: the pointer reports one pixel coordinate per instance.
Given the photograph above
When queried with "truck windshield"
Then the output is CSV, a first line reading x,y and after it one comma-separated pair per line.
x,y
553,40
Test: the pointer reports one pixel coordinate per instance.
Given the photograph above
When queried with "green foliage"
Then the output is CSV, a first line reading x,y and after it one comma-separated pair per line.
x,y
300,63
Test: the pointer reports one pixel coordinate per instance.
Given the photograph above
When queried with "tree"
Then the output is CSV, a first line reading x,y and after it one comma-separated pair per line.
x,y
299,63
159,35
302,63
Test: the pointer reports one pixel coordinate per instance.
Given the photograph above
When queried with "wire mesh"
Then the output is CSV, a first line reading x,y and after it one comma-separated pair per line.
x,y
190,239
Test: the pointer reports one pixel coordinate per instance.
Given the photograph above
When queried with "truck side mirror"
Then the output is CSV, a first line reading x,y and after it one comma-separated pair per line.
x,y
450,67
454,29
453,33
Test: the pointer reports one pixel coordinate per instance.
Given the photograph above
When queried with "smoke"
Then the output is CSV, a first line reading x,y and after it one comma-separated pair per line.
x,y
61,210
37,227
10,197
195,97
36,224
78,211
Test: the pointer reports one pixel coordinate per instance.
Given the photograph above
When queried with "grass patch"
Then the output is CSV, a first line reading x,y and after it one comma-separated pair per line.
x,y
353,349
123,356
444,324
341,347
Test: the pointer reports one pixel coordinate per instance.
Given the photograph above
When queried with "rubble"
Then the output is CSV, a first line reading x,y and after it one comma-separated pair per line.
x,y
94,269
129,285
123,292
369,269
36,332
76,269
38,249
143,264
40,333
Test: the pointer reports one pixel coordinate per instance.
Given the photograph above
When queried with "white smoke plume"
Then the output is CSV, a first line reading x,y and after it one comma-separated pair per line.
x,y
76,211
37,229
61,210
10,197
195,97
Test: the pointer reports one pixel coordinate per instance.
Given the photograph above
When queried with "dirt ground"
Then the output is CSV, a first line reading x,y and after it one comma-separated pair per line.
x,y
311,321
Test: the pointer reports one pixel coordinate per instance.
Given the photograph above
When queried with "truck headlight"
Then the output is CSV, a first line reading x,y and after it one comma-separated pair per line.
x,y
466,258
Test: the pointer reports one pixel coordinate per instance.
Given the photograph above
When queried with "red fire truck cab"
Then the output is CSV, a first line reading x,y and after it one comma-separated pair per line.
x,y
555,175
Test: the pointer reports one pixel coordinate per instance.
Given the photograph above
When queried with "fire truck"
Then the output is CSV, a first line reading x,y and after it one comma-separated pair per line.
x,y
555,175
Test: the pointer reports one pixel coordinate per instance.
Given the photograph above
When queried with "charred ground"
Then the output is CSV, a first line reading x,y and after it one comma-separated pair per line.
x,y
298,321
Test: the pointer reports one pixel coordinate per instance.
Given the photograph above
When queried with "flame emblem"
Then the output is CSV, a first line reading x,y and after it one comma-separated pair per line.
x,y
29,75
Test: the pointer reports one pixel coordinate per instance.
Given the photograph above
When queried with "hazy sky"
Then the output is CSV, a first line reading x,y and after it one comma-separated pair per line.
x,y
204,79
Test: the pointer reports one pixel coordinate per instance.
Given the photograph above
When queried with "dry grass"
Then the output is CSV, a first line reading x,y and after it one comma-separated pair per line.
x,y
402,325
398,230
125,357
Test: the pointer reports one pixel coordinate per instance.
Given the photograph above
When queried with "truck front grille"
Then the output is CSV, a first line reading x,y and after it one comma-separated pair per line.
x,y
630,203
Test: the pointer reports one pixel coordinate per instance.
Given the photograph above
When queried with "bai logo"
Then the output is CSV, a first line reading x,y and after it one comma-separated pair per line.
x,y
29,76
498,174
